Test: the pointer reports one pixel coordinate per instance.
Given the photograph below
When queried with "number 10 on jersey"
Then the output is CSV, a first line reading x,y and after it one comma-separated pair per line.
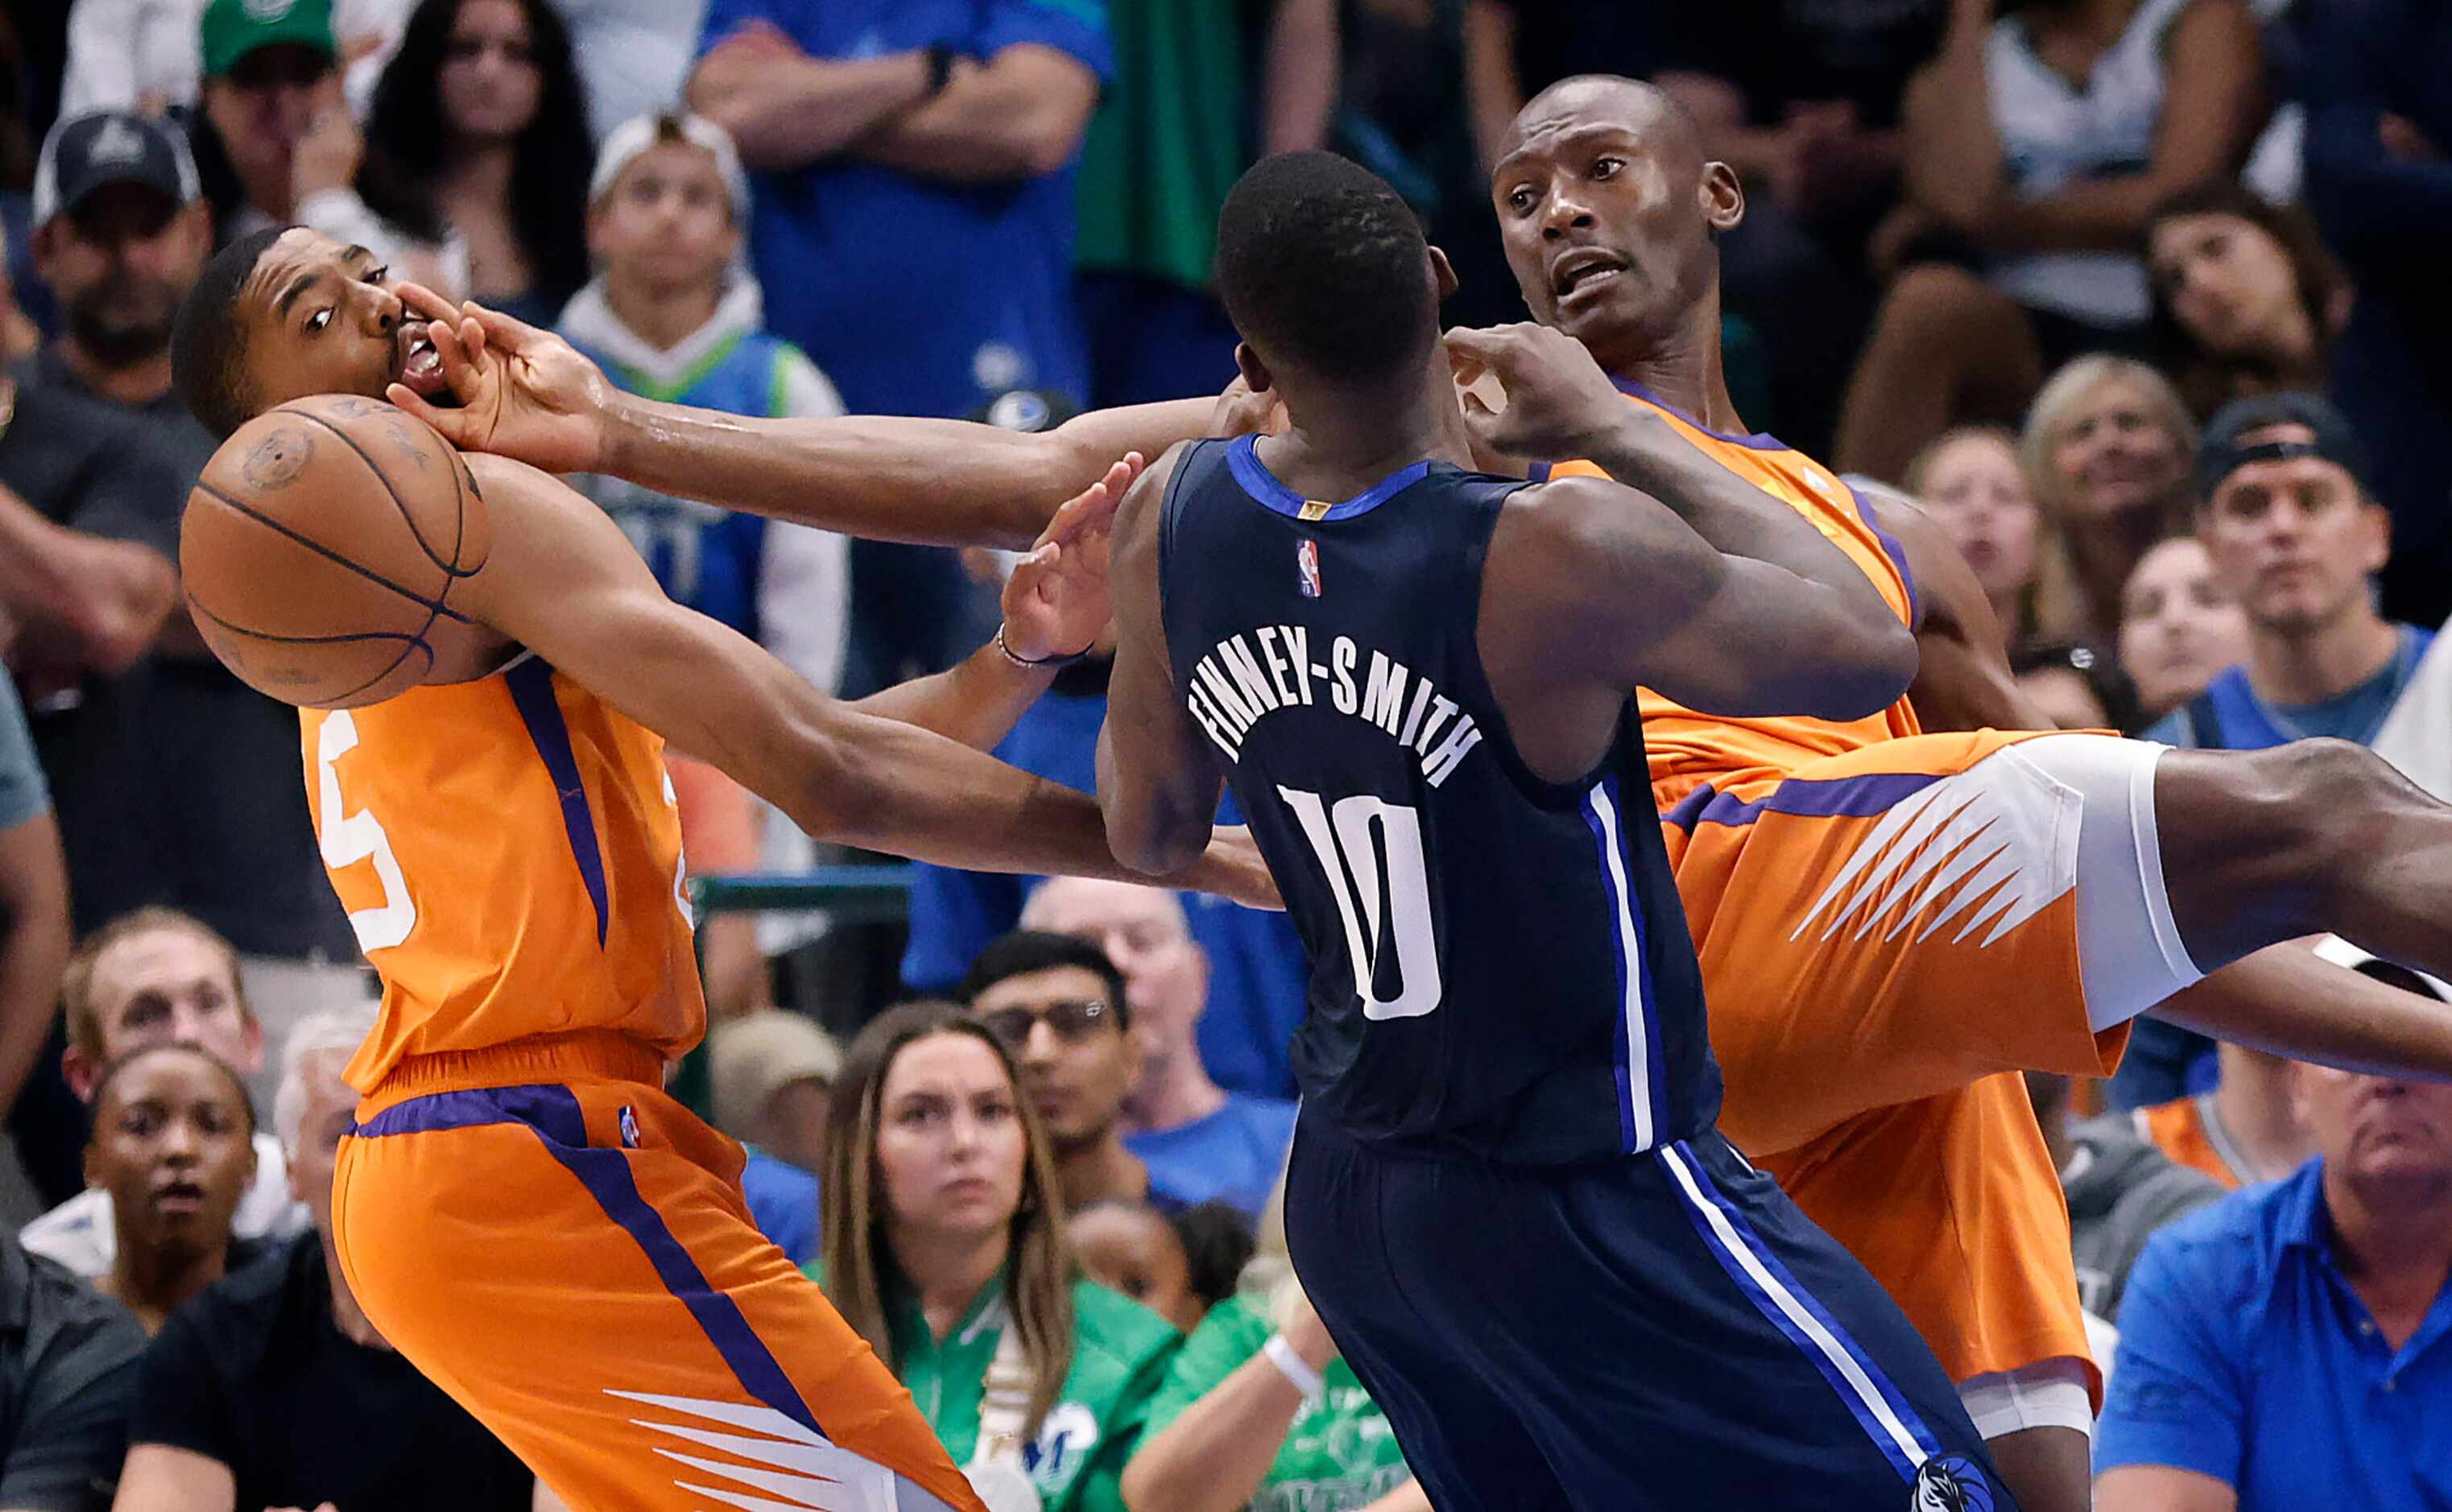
x,y
1371,853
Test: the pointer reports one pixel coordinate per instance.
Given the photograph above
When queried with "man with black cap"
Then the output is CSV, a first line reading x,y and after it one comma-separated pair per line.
x,y
187,789
2283,509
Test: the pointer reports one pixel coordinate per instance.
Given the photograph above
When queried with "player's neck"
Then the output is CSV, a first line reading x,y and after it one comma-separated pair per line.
x,y
152,1281
139,384
1686,376
346,1315
2325,661
1343,439
1175,1089
2252,1101
1101,1169
948,1270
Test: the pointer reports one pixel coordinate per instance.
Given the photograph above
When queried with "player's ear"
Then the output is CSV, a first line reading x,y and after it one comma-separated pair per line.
x,y
1723,196
1256,372
1443,276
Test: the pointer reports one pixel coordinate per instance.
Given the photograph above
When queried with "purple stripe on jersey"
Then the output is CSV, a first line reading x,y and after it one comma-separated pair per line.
x,y
545,1108
531,685
1861,797
1898,553
1759,440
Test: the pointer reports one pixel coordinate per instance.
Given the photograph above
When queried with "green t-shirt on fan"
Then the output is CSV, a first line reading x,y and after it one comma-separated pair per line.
x,y
1166,143
1339,1454
1121,1352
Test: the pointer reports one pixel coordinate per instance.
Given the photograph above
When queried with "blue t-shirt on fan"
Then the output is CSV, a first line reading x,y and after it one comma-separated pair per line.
x,y
917,296
1233,1155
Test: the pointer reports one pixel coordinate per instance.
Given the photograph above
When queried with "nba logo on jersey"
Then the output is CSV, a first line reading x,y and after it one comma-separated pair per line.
x,y
629,1123
1307,569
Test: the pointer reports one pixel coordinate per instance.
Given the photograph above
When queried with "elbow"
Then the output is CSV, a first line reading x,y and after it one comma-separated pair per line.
x,y
1152,843
1874,678
1046,147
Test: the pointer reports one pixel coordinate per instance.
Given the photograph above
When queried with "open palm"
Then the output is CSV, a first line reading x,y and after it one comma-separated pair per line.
x,y
522,393
1056,602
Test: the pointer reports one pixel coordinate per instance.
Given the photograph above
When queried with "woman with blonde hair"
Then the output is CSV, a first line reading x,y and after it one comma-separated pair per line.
x,y
945,1249
1260,1412
1970,480
2107,448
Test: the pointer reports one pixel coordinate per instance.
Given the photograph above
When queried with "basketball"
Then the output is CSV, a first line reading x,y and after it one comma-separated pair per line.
x,y
320,548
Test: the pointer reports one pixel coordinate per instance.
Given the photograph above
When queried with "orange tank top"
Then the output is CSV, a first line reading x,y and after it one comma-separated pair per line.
x,y
1689,749
510,856
2181,1130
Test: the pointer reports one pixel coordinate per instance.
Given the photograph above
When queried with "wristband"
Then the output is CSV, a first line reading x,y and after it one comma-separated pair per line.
x,y
1043,663
1291,1366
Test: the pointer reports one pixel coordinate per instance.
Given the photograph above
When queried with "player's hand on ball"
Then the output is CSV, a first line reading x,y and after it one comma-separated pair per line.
x,y
1557,398
522,393
1056,600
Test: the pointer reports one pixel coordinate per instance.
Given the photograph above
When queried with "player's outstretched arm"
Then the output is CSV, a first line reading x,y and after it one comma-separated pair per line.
x,y
1056,607
527,394
563,580
1559,404
1157,782
1592,582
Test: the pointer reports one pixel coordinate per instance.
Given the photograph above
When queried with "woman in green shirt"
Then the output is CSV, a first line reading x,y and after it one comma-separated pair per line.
x,y
1260,1412
945,1249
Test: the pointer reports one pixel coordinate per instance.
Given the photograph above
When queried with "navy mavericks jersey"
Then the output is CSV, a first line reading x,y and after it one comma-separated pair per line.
x,y
1499,965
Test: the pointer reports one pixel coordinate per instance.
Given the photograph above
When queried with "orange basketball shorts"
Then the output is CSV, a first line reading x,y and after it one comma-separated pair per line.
x,y
566,1251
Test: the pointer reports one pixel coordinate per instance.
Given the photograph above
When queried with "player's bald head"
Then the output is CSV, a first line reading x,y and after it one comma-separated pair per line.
x,y
1646,111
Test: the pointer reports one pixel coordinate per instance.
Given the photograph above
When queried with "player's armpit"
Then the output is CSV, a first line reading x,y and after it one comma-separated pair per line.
x,y
1159,783
563,580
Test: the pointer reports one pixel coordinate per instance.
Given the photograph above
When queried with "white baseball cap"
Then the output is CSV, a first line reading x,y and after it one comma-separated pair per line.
x,y
642,132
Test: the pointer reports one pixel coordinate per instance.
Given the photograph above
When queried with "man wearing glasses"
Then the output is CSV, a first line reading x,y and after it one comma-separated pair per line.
x,y
1057,1004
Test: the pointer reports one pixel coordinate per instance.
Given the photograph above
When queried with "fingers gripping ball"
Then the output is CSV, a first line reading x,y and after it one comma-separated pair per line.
x,y
321,548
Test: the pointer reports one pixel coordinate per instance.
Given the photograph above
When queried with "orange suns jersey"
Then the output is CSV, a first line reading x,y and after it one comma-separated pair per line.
x,y
510,856
1689,749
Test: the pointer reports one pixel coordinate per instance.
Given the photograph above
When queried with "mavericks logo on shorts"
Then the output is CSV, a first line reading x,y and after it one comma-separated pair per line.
x,y
1951,1483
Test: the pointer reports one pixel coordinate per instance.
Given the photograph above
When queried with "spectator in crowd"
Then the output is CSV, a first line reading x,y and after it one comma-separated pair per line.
x,y
140,55
1217,1242
1260,1411
1258,983
2247,299
673,314
480,124
2380,185
633,55
1199,1138
2243,1130
1970,479
914,230
774,1073
33,905
2107,448
1801,98
2037,144
2291,1345
2294,535
174,1146
156,977
1135,1250
2121,1190
270,1388
207,770
67,1375
275,143
2179,625
945,1249
1059,1006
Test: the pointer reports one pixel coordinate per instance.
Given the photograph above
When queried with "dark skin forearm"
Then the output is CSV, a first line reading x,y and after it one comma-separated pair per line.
x,y
936,483
975,702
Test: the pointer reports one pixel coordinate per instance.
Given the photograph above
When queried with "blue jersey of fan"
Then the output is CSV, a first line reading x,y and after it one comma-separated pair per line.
x,y
1500,964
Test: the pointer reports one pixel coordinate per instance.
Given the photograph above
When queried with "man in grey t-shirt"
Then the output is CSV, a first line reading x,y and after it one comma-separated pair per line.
x,y
68,1378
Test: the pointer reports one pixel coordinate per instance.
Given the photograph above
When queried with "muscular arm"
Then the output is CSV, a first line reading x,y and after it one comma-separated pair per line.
x,y
563,580
1592,582
883,477
1019,117
1158,780
785,108
975,702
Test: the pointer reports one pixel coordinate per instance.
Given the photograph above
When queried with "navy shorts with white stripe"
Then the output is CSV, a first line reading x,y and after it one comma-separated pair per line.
x,y
1660,1331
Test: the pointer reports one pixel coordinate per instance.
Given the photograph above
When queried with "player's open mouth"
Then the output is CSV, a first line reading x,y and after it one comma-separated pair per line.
x,y
420,366
178,1197
1585,268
